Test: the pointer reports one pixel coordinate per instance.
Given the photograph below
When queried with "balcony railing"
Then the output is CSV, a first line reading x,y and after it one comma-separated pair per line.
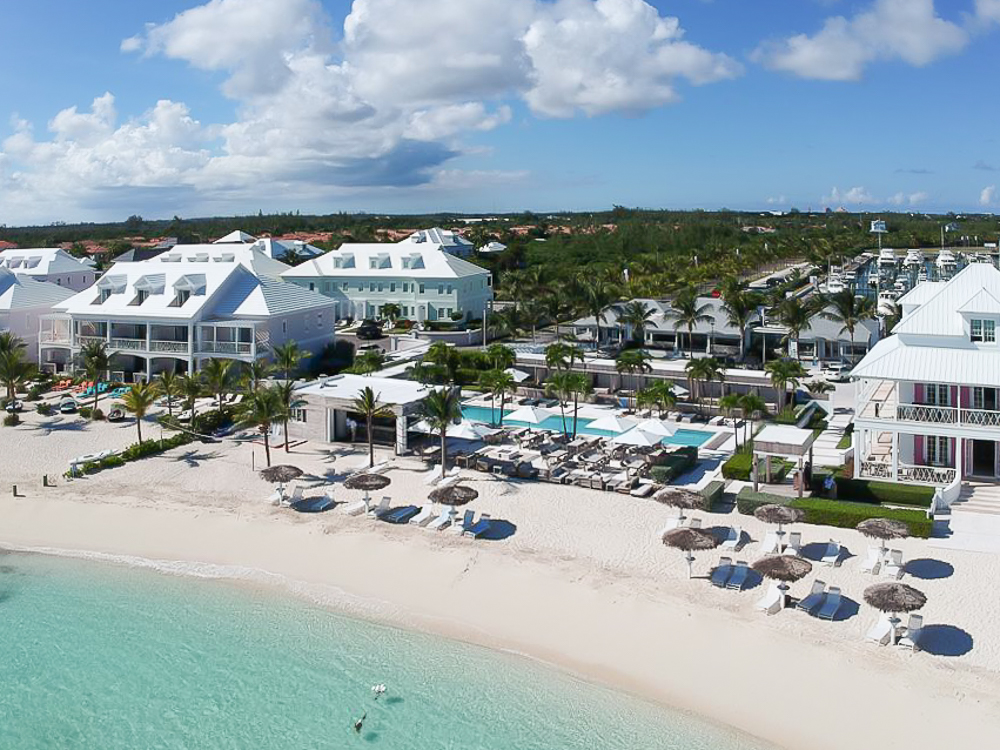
x,y
81,340
225,347
930,414
171,347
937,475
54,337
130,344
927,413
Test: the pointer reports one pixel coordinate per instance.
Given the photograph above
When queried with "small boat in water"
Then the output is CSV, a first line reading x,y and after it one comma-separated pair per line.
x,y
946,261
886,259
913,259
887,301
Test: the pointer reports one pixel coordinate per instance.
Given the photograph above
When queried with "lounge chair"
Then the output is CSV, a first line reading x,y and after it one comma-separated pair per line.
x,y
773,601
443,520
694,523
424,517
643,490
400,515
733,536
355,508
831,605
894,564
296,496
814,599
739,577
720,576
881,632
873,561
468,519
794,546
479,528
831,555
381,509
769,545
275,498
913,630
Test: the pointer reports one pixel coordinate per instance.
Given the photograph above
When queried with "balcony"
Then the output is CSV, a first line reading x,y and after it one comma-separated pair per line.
x,y
170,347
935,475
55,337
225,347
881,404
135,345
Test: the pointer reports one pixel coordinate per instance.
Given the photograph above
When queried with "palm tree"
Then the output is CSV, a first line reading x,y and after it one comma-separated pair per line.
x,y
487,379
287,357
557,356
441,408
255,373
391,312
689,313
850,312
501,356
560,384
167,384
633,362
289,402
191,387
503,385
367,405
819,387
596,296
14,369
700,370
739,307
660,394
796,316
730,404
637,316
261,409
506,321
96,363
217,374
784,373
138,400
441,354
580,387
752,407
368,362
10,342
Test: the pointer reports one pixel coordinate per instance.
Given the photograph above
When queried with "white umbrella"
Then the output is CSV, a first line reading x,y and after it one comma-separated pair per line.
x,y
464,430
658,427
612,423
519,375
639,437
529,415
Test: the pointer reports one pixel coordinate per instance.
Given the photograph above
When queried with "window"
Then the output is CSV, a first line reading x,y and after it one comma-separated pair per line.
x,y
381,287
937,395
978,398
299,415
319,320
312,287
392,286
105,293
984,331
344,286
421,288
937,450
142,295
440,288
449,289
183,295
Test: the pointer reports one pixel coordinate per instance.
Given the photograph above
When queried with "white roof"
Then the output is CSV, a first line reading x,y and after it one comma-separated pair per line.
x,y
24,293
224,281
940,314
921,293
373,259
42,261
779,436
236,236
519,375
894,359
277,249
389,391
449,241
493,247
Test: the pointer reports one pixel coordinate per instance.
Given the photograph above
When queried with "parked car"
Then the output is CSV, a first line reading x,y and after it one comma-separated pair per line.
x,y
369,329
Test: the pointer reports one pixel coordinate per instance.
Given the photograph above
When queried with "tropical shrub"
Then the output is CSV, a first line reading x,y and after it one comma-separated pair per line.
x,y
740,467
46,410
11,420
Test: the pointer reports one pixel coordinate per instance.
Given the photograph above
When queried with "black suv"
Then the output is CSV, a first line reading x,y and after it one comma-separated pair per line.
x,y
369,329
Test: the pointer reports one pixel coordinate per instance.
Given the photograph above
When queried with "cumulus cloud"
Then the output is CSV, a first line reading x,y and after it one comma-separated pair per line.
x,y
988,195
387,102
988,11
858,196
911,199
906,30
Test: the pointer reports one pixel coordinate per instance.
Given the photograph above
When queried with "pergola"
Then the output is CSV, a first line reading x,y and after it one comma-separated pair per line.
x,y
784,441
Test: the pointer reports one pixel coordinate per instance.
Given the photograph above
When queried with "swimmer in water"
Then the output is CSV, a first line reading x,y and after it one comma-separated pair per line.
x,y
360,722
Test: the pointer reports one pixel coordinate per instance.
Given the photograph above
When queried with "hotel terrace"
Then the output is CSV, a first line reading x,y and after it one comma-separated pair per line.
x,y
927,409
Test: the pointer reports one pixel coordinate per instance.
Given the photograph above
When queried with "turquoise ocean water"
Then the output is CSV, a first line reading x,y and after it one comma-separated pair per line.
x,y
94,655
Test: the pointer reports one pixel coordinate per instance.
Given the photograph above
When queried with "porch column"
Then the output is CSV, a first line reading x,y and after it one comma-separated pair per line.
x,y
754,471
959,457
149,338
401,447
190,339
107,333
895,456
858,442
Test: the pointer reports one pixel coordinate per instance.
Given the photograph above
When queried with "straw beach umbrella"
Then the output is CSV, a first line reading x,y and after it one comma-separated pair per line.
x,y
681,499
690,540
883,529
281,475
453,495
367,482
894,597
779,514
783,568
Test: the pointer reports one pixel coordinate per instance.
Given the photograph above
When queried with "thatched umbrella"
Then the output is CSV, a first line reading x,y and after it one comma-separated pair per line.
x,y
784,568
894,597
883,529
281,475
690,540
681,499
779,514
367,482
453,495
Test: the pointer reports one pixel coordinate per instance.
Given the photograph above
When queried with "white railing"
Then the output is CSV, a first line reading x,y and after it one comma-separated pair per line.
x,y
174,347
876,470
81,340
926,413
54,337
225,347
980,417
132,344
926,474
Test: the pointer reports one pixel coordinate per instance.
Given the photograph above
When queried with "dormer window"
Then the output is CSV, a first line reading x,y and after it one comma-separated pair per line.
x,y
983,331
104,295
183,295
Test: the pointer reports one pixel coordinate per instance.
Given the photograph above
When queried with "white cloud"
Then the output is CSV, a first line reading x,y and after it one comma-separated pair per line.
x,y
907,30
988,11
904,199
388,105
779,200
988,195
858,196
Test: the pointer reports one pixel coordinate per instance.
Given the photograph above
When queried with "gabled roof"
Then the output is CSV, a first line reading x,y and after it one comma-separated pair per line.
x,y
42,261
981,302
941,313
235,237
894,359
446,239
396,260
24,293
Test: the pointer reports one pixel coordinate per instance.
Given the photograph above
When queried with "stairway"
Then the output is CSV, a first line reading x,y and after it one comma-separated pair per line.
x,y
978,497
825,450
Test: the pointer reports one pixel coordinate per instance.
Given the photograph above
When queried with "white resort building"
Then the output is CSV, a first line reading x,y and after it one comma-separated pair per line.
x,y
427,282
51,264
23,301
189,304
927,398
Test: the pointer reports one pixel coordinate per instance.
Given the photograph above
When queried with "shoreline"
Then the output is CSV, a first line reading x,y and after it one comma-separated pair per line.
x,y
635,636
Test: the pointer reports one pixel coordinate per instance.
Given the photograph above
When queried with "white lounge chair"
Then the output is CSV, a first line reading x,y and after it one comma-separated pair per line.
x,y
831,605
468,518
831,555
694,523
873,561
739,577
381,509
913,630
295,497
773,601
814,599
479,528
894,564
770,543
424,517
794,546
720,576
440,522
274,498
733,536
355,508
881,632
328,494
430,477
643,490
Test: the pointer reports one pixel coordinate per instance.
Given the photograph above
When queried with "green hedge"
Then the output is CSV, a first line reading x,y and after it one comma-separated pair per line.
x,y
46,410
890,493
740,465
845,515
712,492
675,464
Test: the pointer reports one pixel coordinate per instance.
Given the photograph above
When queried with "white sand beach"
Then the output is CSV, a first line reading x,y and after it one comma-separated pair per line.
x,y
583,582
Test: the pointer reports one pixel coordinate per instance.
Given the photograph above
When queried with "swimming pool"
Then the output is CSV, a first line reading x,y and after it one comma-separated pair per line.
x,y
485,415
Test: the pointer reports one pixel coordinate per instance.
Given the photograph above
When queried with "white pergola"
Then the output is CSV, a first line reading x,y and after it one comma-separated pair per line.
x,y
783,441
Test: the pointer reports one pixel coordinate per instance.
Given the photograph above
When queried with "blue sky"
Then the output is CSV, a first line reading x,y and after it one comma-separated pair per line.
x,y
114,107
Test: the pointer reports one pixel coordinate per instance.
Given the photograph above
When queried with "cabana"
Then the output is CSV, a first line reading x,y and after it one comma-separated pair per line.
x,y
784,441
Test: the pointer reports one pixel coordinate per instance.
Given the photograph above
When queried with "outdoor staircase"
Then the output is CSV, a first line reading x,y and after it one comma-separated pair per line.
x,y
978,497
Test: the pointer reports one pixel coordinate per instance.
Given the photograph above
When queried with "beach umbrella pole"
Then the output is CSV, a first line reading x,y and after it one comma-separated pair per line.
x,y
690,562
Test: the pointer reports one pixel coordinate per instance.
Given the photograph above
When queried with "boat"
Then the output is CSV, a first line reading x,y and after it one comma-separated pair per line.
x,y
913,259
946,261
887,301
902,284
886,259
922,275
834,285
